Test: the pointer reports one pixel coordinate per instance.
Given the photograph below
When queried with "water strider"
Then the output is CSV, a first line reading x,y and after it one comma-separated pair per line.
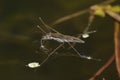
x,y
61,38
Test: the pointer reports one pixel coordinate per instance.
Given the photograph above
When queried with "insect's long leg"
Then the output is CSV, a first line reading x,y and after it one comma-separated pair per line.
x,y
41,41
90,20
86,31
82,56
42,45
52,53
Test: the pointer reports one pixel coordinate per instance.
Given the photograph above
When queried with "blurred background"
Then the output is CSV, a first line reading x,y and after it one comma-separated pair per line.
x,y
20,40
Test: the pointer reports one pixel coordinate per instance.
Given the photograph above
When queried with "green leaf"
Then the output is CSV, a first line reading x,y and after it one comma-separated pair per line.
x,y
116,9
100,13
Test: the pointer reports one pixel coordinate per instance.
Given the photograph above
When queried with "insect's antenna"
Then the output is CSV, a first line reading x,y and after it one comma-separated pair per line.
x,y
44,23
41,29
48,27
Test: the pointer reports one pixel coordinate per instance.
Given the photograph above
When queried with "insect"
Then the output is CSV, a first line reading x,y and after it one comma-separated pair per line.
x,y
62,39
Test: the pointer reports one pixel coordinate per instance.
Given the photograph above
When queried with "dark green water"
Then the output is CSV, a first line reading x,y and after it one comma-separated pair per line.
x,y
19,41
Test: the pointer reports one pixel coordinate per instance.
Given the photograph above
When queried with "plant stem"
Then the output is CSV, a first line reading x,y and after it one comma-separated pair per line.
x,y
76,14
70,16
117,45
108,63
